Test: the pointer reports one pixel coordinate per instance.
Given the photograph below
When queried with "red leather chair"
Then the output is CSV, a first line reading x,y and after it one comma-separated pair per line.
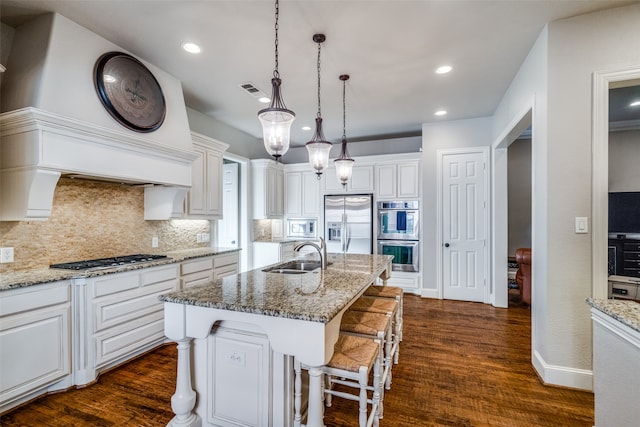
x,y
523,276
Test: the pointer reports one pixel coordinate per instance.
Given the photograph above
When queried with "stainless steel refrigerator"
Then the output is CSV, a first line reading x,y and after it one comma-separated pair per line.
x,y
348,223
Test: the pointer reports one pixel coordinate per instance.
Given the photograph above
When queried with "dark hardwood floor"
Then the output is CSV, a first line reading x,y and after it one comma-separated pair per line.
x,y
461,364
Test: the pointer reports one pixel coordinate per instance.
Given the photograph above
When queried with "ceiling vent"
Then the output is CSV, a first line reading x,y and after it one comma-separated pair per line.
x,y
252,90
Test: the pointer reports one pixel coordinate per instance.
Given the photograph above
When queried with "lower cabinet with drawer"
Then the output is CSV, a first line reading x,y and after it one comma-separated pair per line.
x,y
35,343
205,269
124,317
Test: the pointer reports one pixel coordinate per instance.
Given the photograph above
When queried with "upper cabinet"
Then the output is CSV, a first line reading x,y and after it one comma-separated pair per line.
x,y
398,180
302,194
204,200
361,180
268,189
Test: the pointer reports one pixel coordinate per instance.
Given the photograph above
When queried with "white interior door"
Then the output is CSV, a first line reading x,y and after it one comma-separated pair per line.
x,y
228,227
464,230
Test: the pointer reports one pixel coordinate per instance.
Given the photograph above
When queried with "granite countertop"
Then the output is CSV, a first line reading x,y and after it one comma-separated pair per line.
x,y
315,296
625,311
21,279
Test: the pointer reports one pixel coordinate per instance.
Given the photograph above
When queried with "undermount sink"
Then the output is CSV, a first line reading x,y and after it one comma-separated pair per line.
x,y
294,267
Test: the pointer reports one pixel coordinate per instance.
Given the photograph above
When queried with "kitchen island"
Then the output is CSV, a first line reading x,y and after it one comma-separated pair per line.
x,y
616,361
281,316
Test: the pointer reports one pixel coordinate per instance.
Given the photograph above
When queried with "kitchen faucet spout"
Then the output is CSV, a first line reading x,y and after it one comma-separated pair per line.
x,y
321,249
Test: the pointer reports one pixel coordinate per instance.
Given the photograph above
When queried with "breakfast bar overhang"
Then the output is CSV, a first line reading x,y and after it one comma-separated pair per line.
x,y
299,314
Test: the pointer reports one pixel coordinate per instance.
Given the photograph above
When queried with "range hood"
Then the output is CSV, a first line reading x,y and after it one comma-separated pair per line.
x,y
38,147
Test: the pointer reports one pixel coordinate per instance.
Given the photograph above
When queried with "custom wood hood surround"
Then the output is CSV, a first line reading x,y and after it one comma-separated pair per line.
x,y
38,147
53,123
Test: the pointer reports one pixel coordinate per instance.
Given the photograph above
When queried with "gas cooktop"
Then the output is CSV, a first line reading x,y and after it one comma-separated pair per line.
x,y
100,263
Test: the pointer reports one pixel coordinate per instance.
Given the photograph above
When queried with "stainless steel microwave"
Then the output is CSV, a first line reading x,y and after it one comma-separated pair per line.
x,y
305,228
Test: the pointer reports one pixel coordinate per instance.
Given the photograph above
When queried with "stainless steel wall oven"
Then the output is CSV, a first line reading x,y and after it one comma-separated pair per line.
x,y
399,233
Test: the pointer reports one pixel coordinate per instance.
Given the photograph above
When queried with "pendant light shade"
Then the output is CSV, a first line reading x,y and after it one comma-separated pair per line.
x,y
319,147
276,123
344,163
319,150
276,119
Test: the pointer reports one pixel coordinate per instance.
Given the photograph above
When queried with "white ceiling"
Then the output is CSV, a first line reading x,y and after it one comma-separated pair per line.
x,y
390,48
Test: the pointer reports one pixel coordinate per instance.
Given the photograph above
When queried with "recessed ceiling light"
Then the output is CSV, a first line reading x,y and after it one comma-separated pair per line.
x,y
191,47
635,104
264,100
444,69
440,112
306,127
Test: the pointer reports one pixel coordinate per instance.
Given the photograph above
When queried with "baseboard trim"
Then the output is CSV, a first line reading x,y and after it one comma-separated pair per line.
x,y
429,293
562,376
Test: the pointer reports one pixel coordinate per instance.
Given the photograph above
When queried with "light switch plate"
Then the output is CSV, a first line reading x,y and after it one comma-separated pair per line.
x,y
582,225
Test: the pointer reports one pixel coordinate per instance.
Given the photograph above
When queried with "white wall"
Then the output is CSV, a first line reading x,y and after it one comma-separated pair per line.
x,y
624,161
51,68
436,136
240,143
560,83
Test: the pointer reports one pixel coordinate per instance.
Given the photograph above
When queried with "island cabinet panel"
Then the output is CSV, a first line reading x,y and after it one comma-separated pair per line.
x,y
35,343
239,378
126,315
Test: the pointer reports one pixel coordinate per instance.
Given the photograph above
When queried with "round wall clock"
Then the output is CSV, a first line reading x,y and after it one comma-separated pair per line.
x,y
129,92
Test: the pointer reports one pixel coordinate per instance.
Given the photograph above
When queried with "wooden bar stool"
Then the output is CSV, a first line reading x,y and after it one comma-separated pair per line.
x,y
383,306
372,325
354,360
391,292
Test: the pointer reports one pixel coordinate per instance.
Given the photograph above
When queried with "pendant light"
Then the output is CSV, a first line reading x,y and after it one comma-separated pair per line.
x,y
318,147
276,119
344,163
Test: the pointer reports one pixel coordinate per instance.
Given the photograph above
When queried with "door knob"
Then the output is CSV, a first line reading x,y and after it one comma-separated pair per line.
x,y
446,245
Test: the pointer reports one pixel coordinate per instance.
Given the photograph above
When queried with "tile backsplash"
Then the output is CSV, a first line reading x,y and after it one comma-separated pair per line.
x,y
92,219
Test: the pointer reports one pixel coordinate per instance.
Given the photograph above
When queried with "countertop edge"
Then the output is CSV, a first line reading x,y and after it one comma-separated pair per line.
x,y
39,276
625,311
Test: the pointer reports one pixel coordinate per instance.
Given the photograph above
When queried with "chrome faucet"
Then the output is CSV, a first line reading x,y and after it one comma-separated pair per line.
x,y
322,250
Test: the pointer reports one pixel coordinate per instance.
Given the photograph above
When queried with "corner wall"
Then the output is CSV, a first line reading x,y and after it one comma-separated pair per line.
x,y
558,75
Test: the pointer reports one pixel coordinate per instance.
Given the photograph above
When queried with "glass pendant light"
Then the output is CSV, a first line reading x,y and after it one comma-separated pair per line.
x,y
276,119
344,163
318,147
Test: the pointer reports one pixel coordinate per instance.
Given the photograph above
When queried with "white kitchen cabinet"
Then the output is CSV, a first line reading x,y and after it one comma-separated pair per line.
x,y
302,194
408,281
225,265
35,342
196,271
126,316
361,181
268,189
267,253
204,199
203,270
399,180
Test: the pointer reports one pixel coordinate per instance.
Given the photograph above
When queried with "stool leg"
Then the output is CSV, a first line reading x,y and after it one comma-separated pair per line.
x,y
363,396
297,393
377,397
378,386
388,344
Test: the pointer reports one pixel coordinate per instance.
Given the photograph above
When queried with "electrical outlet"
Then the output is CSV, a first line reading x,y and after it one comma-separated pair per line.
x,y
198,238
205,237
154,242
6,255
